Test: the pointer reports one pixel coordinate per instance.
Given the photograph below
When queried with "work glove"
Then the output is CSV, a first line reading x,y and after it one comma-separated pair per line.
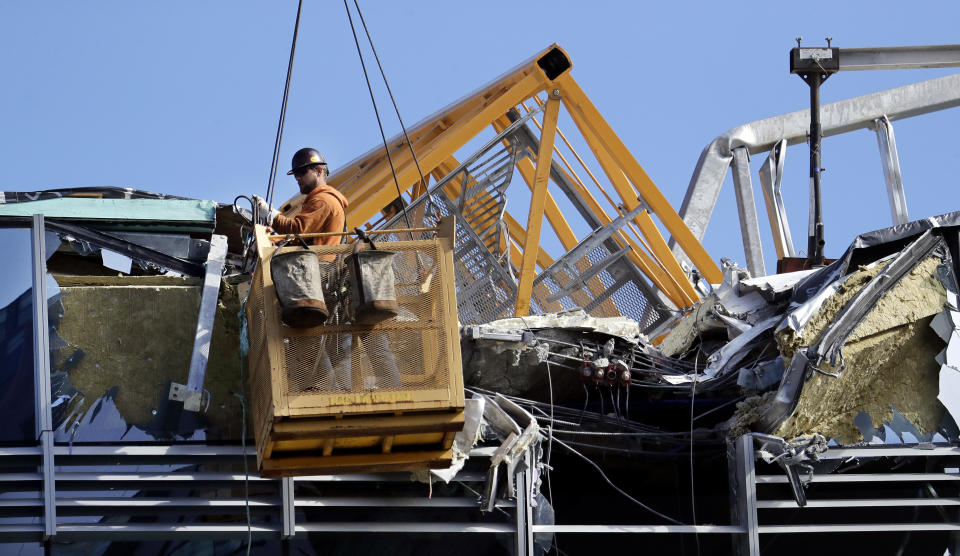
x,y
264,208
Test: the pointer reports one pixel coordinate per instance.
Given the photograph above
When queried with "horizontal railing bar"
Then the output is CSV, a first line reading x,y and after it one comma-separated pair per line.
x,y
725,529
20,477
858,528
867,452
20,451
863,478
404,527
200,476
160,503
160,450
165,450
469,476
388,501
136,531
861,503
161,530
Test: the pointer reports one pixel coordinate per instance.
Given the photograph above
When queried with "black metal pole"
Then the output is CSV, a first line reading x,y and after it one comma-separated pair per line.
x,y
814,66
815,241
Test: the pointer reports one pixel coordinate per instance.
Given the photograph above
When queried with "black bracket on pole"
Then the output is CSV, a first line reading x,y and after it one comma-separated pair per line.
x,y
814,66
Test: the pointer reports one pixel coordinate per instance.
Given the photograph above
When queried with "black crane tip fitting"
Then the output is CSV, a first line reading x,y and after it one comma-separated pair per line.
x,y
554,63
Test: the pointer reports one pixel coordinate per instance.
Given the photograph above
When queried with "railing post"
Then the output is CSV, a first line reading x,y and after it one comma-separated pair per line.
x,y
747,209
891,170
746,495
524,510
289,508
41,375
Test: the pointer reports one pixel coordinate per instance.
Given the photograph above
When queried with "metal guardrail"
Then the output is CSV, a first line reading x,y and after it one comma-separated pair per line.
x,y
754,497
192,491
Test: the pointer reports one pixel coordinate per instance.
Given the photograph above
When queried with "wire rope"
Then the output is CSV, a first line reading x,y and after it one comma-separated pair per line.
x,y
275,161
386,83
376,112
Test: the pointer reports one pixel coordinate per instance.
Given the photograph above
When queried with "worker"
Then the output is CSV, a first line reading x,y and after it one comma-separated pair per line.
x,y
323,210
324,206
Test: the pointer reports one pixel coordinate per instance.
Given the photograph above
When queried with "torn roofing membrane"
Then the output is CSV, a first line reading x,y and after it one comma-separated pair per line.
x,y
873,325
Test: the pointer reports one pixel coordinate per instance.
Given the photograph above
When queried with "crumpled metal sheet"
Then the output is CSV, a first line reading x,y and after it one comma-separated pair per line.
x,y
776,287
763,375
733,352
947,325
465,439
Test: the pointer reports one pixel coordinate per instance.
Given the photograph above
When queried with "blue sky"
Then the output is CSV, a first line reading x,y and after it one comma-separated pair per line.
x,y
183,97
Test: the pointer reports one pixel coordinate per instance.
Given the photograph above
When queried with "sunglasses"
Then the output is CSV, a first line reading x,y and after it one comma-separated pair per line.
x,y
299,172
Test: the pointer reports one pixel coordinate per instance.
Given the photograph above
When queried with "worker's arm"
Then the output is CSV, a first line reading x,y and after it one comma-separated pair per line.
x,y
310,219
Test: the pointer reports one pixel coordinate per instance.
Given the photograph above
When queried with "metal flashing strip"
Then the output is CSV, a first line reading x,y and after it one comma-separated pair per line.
x,y
391,502
168,211
288,503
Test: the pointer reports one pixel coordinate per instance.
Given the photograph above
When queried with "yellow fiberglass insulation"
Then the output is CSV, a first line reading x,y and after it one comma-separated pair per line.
x,y
889,360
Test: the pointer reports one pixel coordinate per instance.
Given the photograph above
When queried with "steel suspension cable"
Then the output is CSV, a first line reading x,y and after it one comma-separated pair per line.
x,y
376,112
275,161
396,109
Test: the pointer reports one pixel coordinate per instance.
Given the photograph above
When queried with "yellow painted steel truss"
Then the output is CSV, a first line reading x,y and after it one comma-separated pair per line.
x,y
545,78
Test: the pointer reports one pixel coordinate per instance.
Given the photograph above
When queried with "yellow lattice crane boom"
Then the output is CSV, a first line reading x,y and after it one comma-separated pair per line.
x,y
545,82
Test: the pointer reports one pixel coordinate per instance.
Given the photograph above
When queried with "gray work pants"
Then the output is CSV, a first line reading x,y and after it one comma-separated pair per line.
x,y
335,362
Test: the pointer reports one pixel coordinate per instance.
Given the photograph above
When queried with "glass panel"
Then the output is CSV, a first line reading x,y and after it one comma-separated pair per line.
x,y
16,337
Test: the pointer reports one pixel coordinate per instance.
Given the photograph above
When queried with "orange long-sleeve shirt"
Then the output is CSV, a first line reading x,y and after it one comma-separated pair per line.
x,y
322,211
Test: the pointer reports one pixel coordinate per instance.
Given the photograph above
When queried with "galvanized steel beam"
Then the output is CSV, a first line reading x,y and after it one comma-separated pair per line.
x,y
747,209
899,57
837,117
771,179
890,163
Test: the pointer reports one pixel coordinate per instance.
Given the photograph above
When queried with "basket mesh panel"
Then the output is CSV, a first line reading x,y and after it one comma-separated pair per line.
x,y
405,353
260,388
